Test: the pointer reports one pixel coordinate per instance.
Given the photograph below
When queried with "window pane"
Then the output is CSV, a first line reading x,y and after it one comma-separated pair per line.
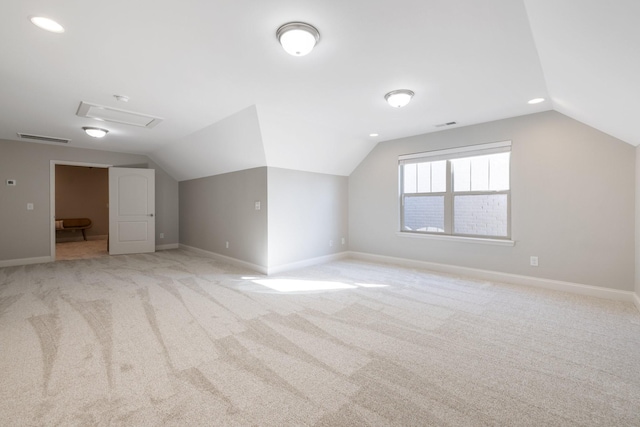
x,y
424,213
424,177
461,169
480,173
439,176
499,172
409,185
483,215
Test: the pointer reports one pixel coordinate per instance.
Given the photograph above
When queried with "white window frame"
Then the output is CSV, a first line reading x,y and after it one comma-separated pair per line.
x,y
449,194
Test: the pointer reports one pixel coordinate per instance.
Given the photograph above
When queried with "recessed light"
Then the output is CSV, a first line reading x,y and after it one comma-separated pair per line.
x,y
536,100
399,98
373,135
298,38
95,132
46,24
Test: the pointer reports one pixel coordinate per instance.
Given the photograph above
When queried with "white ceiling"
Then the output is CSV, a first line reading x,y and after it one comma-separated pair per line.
x,y
231,98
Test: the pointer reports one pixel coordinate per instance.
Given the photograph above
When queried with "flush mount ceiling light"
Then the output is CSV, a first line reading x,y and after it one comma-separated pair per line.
x,y
298,38
95,132
46,24
536,101
399,98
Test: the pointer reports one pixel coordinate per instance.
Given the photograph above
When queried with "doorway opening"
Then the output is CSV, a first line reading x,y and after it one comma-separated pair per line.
x,y
79,210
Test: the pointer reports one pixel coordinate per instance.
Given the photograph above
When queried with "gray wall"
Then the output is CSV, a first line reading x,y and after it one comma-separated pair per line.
x,y
82,192
306,211
26,234
220,209
637,182
573,191
301,212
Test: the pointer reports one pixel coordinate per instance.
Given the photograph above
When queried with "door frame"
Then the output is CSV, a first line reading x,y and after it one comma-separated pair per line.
x,y
52,195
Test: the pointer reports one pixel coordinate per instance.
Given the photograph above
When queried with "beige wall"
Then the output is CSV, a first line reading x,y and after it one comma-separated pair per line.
x,y
83,192
573,191
27,234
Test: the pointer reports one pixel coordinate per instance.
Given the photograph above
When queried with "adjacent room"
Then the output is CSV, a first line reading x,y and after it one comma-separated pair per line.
x,y
326,213
81,211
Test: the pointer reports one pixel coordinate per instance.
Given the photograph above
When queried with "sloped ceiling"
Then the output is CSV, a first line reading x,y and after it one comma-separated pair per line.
x,y
233,143
590,54
231,98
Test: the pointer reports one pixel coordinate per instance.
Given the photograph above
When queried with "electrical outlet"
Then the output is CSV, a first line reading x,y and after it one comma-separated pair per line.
x,y
257,205
343,241
29,206
533,261
226,245
162,235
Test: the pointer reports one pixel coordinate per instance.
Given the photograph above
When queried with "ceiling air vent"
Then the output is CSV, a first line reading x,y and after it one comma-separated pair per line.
x,y
446,124
115,115
43,138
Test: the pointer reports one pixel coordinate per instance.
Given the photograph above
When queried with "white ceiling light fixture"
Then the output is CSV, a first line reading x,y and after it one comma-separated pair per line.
x,y
399,98
95,132
535,101
298,38
46,24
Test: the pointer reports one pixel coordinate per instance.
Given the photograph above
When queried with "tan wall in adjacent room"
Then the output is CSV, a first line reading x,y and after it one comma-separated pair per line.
x,y
83,192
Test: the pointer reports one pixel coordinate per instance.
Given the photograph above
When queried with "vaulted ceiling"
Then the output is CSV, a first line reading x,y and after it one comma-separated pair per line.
x,y
231,98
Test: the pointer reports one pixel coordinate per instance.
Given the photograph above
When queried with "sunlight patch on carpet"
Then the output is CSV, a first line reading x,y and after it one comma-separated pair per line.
x,y
299,285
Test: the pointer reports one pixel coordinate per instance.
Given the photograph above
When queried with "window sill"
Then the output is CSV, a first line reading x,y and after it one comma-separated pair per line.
x,y
480,240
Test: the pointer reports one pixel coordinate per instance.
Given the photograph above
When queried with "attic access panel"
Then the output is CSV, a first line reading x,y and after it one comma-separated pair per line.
x,y
116,115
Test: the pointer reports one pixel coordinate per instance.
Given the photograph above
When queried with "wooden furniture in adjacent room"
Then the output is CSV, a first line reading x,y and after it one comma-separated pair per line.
x,y
81,224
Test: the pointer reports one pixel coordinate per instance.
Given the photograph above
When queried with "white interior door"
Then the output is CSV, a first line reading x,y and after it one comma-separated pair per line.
x,y
132,224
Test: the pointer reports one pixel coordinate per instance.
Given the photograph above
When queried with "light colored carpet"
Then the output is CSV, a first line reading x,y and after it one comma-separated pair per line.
x,y
81,250
176,339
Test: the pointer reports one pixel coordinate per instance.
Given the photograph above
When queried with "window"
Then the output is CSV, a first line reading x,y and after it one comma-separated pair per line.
x,y
461,192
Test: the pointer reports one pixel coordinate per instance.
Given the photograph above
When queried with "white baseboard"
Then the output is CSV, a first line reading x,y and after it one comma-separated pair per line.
x,y
306,263
516,279
167,246
223,258
25,261
267,270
